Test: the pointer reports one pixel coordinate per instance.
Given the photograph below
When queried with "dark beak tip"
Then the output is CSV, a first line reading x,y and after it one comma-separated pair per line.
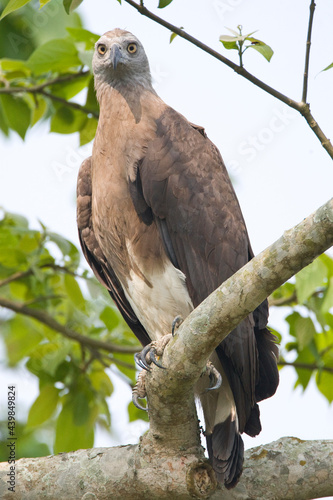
x,y
115,56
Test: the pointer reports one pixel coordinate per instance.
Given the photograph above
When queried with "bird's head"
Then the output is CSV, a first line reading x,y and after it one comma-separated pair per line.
x,y
120,59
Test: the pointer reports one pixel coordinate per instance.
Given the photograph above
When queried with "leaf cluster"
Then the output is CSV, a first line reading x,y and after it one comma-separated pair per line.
x,y
57,69
310,324
41,270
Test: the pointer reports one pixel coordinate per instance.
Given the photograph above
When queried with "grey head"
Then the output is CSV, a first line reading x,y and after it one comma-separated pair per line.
x,y
119,59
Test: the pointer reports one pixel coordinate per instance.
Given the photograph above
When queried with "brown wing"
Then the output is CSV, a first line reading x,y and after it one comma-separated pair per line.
x,y
184,182
95,257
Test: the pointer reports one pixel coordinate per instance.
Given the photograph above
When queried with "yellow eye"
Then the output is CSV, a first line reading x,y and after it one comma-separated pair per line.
x,y
101,49
132,48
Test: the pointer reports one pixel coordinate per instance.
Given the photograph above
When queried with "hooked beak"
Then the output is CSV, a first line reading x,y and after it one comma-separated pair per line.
x,y
115,55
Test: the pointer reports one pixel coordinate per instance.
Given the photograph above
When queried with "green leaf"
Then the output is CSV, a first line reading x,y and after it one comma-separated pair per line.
x,y
328,67
56,55
67,120
261,47
325,384
91,102
13,5
17,114
10,65
71,5
328,261
109,317
69,436
173,36
3,122
301,328
42,3
230,45
305,331
101,383
327,303
86,57
135,414
22,335
230,42
88,132
163,3
284,293
74,292
44,406
39,110
309,279
82,35
47,358
129,359
69,89
29,242
304,375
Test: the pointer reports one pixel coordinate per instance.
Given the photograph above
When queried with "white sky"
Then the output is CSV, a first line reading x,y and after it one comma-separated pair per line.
x,y
281,173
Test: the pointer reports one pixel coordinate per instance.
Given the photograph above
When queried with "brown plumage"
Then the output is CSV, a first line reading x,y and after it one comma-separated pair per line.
x,y
161,227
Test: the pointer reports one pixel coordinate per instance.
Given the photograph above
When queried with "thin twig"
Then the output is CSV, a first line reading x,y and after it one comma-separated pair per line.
x,y
46,319
39,89
16,276
306,366
283,301
301,107
43,298
307,52
24,274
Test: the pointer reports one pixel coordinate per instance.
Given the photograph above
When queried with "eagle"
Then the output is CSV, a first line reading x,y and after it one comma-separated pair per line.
x,y
161,227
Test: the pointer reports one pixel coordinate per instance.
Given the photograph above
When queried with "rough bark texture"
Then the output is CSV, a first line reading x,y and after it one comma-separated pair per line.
x,y
285,469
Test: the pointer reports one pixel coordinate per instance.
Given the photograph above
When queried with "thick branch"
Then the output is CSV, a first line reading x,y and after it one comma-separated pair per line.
x,y
299,106
186,355
283,470
307,52
46,319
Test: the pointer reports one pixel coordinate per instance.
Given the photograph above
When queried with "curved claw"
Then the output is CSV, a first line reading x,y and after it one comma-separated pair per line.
x,y
140,358
135,399
176,324
215,377
154,360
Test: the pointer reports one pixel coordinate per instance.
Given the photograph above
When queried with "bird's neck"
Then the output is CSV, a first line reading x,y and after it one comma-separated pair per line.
x,y
125,86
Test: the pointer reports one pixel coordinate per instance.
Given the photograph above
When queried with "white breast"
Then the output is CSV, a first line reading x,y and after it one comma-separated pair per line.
x,y
158,299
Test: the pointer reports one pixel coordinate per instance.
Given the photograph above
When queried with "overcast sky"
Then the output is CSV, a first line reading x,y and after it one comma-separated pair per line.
x,y
281,173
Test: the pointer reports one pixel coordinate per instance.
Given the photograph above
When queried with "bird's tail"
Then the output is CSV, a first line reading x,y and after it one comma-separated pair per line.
x,y
224,444
226,452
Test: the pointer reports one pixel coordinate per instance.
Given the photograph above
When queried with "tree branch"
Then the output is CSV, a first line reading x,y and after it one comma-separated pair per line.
x,y
306,366
283,301
39,89
283,470
204,329
301,107
46,319
307,52
24,274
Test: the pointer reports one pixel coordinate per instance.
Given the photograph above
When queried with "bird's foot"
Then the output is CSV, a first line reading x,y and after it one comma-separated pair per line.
x,y
139,391
214,375
176,324
149,354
